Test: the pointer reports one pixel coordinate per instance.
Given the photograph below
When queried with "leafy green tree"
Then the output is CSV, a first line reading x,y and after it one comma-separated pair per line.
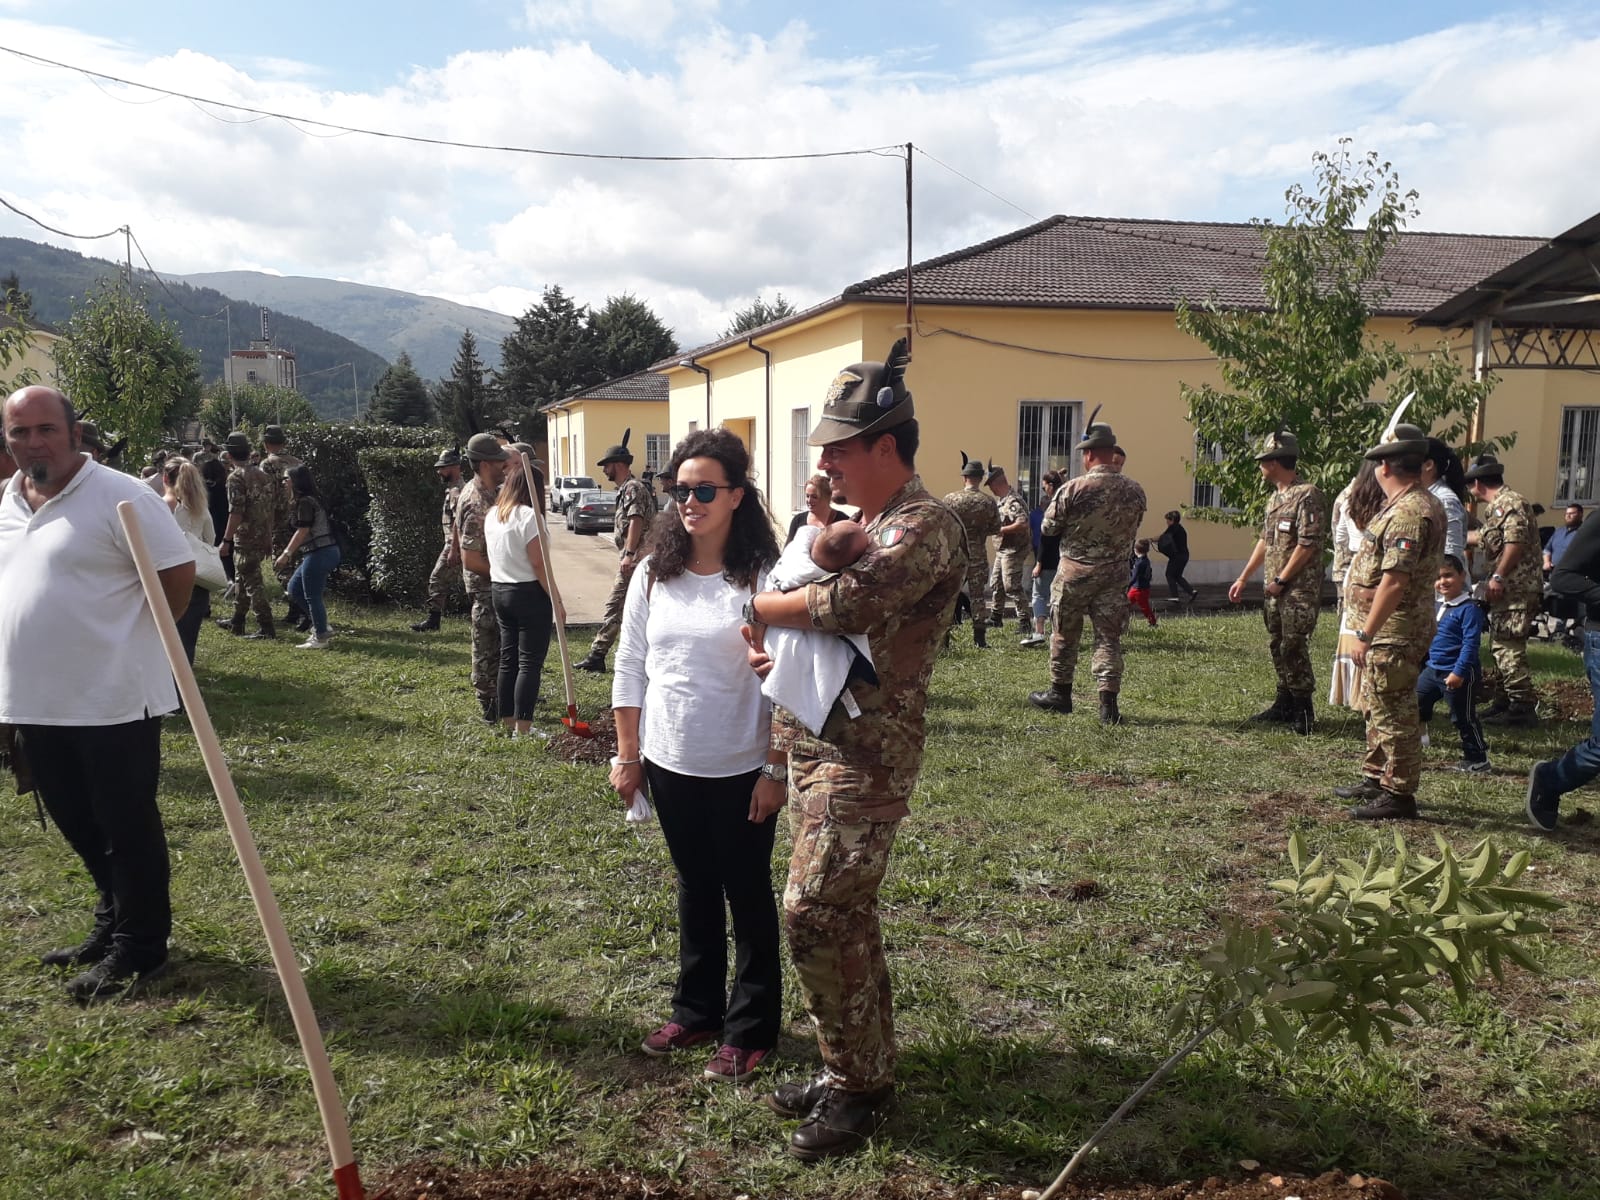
x,y
400,397
13,338
1308,362
757,313
628,337
467,401
258,405
549,355
18,303
127,369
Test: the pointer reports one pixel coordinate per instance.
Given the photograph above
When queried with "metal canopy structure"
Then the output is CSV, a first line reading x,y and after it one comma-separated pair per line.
x,y
1540,313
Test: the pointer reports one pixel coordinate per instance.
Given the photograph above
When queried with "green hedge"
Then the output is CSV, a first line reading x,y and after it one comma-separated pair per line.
x,y
332,452
404,518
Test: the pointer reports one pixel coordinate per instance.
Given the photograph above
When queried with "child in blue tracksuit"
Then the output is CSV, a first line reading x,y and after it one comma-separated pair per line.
x,y
1451,672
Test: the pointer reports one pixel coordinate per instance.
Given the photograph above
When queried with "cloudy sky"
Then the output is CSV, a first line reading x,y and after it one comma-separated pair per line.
x,y
1190,109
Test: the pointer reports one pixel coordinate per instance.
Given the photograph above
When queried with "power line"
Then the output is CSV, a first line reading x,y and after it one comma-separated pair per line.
x,y
976,184
78,237
430,141
146,258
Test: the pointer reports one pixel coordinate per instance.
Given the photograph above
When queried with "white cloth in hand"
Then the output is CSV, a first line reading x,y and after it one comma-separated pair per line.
x,y
809,667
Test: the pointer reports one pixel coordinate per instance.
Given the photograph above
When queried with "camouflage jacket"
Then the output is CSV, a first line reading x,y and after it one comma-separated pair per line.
x,y
1096,516
901,593
472,506
277,466
979,517
1296,516
1508,521
447,512
252,493
1013,509
633,500
1406,535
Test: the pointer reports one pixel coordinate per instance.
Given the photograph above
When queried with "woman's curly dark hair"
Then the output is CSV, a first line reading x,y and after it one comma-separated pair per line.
x,y
752,546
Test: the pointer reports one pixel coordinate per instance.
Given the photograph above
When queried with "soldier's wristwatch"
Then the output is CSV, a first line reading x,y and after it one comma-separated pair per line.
x,y
1363,636
777,772
749,613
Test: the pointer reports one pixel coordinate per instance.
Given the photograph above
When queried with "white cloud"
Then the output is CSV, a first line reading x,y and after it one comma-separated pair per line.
x,y
1485,120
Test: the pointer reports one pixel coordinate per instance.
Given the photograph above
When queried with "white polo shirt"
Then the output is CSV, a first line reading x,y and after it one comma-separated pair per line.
x,y
78,645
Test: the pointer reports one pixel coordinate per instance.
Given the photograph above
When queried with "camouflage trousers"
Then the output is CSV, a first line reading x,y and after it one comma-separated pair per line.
x,y
1291,620
485,646
1009,578
1394,731
830,909
611,619
249,591
1101,596
441,581
976,587
1509,628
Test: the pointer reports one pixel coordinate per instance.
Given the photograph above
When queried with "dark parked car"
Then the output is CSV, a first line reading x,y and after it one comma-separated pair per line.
x,y
590,512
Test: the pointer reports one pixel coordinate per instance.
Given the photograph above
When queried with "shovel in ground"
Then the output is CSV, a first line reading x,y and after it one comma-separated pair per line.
x,y
581,728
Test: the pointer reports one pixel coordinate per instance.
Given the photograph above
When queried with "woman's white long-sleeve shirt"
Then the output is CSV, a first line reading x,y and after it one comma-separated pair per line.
x,y
683,663
1455,520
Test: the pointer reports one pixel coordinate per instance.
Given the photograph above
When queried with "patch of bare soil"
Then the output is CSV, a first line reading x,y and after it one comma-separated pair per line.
x,y
598,749
426,1181
1567,699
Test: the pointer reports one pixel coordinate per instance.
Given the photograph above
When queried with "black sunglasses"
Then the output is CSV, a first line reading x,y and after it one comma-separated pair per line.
x,y
703,492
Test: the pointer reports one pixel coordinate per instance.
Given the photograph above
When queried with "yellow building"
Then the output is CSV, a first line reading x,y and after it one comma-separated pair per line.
x,y
1017,339
37,356
582,427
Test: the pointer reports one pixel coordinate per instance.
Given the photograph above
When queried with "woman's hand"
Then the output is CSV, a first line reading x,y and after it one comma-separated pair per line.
x,y
767,798
760,660
281,561
627,778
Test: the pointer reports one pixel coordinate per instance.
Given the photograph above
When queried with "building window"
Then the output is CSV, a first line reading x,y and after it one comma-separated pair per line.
x,y
1576,465
800,465
250,377
1207,495
694,426
656,451
1047,433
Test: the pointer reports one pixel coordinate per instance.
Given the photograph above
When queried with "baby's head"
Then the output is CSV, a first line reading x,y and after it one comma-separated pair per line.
x,y
839,545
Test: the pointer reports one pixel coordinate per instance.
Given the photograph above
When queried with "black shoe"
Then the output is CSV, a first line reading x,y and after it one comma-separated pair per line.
x,y
997,621
591,662
980,636
237,629
264,634
1388,806
1523,713
114,974
1473,766
1302,716
841,1123
91,950
1054,699
303,625
490,708
1542,805
1496,710
1276,713
1108,709
428,624
294,613
1367,789
796,1099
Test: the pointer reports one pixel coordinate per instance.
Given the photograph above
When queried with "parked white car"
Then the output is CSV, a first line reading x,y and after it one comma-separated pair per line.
x,y
566,490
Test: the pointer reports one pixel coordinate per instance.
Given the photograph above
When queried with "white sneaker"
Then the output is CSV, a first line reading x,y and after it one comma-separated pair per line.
x,y
314,643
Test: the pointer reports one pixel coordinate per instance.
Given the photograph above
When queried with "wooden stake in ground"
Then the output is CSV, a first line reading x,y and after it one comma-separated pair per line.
x,y
581,728
346,1176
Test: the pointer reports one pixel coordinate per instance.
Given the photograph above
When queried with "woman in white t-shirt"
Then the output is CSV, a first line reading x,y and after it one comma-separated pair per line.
x,y
521,601
691,720
185,494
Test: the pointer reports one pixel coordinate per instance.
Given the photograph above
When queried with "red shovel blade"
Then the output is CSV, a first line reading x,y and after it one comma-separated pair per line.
x,y
581,728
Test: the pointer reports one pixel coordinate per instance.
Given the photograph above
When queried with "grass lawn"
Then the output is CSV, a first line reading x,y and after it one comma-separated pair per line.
x,y
486,942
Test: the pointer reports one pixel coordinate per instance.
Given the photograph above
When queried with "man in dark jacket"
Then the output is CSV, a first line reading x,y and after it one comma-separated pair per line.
x,y
1174,545
1577,577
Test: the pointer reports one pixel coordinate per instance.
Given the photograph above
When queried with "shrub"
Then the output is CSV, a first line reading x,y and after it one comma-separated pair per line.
x,y
331,452
404,518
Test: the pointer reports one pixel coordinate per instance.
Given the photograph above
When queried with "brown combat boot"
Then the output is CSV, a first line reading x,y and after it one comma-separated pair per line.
x,y
1109,713
841,1123
1056,698
1388,806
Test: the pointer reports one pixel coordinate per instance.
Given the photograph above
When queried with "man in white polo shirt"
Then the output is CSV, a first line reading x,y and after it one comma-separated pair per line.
x,y
84,680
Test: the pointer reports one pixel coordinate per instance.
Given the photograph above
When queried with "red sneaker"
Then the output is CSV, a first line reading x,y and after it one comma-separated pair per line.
x,y
672,1036
734,1064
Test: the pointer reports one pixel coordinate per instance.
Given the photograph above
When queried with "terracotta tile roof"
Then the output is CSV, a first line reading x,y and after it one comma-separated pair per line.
x,y
641,385
1093,262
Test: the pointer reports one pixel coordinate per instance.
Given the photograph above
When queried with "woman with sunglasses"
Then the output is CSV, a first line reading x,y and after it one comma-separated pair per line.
x,y
693,725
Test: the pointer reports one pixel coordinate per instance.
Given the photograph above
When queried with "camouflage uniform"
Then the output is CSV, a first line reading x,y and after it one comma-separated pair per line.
x,y
1508,521
1096,516
472,506
439,578
276,466
1406,535
634,499
980,520
1009,575
251,495
1296,516
849,786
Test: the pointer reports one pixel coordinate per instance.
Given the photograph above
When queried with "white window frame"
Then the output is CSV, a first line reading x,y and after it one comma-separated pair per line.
x,y
1578,465
657,449
1060,424
1207,495
799,455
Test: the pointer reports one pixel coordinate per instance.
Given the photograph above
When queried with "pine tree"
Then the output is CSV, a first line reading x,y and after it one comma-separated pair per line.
x,y
467,401
758,313
400,397
628,337
549,355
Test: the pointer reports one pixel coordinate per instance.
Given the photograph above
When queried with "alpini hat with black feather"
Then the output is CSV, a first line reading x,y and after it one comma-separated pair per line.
x,y
866,397
620,452
1097,435
971,468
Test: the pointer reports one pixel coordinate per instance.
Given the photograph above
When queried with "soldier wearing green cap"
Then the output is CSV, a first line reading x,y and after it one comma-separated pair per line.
x,y
248,538
488,459
1292,537
636,509
851,783
1507,541
980,520
448,467
1390,600
1097,517
1009,575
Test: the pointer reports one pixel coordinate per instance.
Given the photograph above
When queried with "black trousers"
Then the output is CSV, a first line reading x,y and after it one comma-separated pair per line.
x,y
526,618
1463,705
193,617
1175,579
98,783
723,860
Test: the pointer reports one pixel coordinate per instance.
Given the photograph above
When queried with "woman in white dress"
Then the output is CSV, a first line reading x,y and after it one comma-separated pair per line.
x,y
1354,509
